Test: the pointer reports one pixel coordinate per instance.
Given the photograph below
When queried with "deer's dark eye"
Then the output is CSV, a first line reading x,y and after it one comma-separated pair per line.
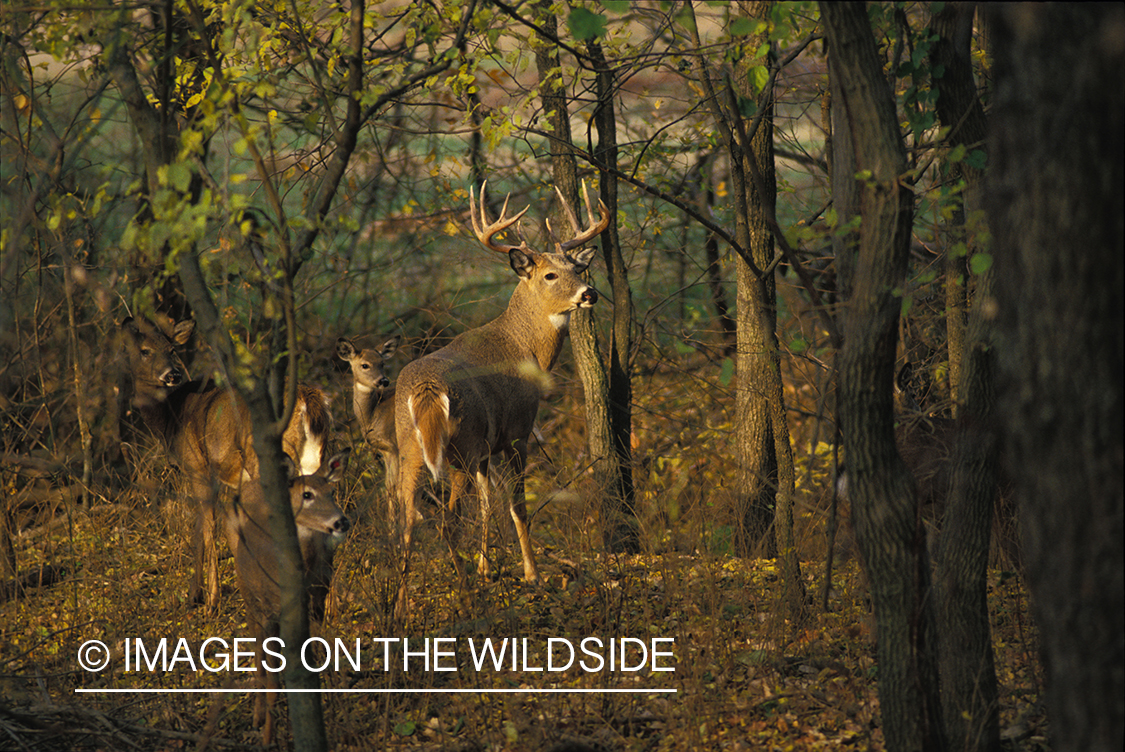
x,y
550,276
308,495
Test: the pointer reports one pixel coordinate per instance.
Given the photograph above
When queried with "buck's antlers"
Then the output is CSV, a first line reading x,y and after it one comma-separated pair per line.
x,y
596,225
486,230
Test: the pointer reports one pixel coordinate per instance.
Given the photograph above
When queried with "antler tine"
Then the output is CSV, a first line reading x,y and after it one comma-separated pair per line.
x,y
596,225
484,229
570,212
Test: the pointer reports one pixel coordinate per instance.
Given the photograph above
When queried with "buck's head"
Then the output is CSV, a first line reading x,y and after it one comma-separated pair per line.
x,y
367,365
151,354
551,279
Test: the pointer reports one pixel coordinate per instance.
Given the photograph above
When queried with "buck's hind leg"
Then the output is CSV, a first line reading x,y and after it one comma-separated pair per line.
x,y
409,474
480,483
518,508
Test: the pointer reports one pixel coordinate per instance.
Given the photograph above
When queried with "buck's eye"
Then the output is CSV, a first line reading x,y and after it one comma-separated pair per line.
x,y
307,495
365,367
550,276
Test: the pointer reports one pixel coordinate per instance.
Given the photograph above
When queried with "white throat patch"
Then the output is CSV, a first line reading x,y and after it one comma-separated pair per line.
x,y
560,321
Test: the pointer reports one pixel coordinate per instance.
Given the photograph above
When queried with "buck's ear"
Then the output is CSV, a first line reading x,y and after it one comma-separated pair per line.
x,y
292,470
582,257
522,262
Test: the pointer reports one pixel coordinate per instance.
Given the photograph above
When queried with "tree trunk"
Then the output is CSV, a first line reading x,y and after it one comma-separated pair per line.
x,y
583,334
306,716
622,533
305,712
885,507
1054,199
970,695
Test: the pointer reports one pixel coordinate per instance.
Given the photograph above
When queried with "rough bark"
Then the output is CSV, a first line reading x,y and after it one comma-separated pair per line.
x,y
622,533
970,695
588,357
1055,193
885,507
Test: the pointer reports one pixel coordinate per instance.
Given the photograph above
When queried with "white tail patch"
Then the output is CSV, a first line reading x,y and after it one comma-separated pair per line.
x,y
436,463
312,449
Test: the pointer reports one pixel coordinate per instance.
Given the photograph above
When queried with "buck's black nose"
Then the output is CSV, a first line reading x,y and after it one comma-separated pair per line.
x,y
589,296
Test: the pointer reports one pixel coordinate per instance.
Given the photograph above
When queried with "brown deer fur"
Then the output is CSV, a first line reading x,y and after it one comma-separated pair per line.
x,y
207,432
321,527
476,398
373,400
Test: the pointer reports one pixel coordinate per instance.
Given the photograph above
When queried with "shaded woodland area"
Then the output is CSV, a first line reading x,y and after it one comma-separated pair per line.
x,y
842,430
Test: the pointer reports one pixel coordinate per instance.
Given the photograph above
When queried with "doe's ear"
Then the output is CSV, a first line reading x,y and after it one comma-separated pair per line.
x,y
345,349
522,262
182,331
332,469
389,347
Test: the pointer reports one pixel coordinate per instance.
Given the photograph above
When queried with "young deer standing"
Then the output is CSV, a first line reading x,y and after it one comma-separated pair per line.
x,y
373,400
477,397
207,433
321,527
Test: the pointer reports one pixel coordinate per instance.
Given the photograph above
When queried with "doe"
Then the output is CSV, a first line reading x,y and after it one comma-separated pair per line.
x,y
207,432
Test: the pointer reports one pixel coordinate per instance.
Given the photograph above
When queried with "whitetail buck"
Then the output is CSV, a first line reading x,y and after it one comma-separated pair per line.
x,y
207,432
321,527
373,400
477,397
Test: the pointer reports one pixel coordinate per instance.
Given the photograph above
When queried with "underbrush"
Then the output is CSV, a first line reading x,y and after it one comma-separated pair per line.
x,y
744,678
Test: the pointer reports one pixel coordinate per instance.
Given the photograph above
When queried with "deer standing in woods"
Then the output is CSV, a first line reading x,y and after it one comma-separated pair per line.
x,y
321,527
373,400
477,397
207,432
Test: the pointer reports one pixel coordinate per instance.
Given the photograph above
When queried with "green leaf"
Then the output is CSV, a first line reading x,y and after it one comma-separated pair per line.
x,y
616,6
980,263
759,77
976,159
741,27
585,25
726,372
405,728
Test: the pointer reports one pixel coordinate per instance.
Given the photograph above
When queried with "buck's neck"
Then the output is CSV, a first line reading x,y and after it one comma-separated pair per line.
x,y
537,332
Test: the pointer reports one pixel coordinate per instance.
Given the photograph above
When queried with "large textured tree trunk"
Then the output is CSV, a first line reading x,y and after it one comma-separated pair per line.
x,y
887,519
968,675
1054,202
756,359
622,532
611,475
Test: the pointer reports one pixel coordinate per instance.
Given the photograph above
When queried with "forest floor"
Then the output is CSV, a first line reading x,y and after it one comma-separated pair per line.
x,y
742,676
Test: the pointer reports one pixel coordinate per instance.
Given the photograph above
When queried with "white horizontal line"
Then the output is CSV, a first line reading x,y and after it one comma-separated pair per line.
x,y
192,690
